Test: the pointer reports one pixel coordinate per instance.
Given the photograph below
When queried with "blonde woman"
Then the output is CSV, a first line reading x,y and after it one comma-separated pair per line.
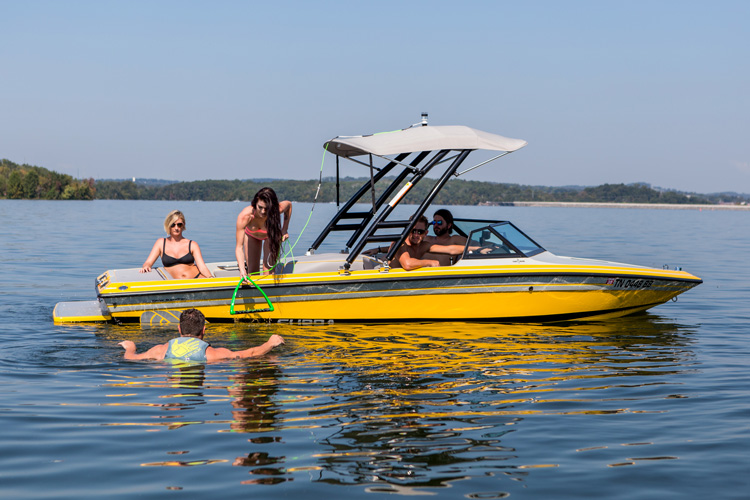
x,y
190,265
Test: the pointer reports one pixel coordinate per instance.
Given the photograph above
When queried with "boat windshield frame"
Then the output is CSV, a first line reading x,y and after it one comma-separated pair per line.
x,y
499,240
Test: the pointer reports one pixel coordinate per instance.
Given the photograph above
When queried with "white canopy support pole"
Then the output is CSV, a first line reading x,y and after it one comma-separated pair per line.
x,y
483,163
372,186
338,183
368,165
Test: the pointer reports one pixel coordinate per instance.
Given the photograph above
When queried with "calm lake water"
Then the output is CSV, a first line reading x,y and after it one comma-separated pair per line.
x,y
654,406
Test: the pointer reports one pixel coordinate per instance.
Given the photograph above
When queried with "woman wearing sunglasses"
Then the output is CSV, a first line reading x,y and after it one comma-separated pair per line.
x,y
190,265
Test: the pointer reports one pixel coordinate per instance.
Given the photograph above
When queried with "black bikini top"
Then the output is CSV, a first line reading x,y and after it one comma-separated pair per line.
x,y
169,261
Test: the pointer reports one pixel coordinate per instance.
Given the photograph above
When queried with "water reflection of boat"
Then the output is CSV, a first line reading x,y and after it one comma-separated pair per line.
x,y
425,349
503,275
419,406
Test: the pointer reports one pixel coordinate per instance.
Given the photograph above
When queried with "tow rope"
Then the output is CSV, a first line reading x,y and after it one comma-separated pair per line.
x,y
234,297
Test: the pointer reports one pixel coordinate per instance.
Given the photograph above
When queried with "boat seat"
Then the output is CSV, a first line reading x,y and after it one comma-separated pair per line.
x,y
134,274
315,264
224,269
227,273
326,263
218,269
371,262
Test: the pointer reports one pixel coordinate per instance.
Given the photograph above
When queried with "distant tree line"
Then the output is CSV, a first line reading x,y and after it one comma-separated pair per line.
x,y
455,192
37,183
30,182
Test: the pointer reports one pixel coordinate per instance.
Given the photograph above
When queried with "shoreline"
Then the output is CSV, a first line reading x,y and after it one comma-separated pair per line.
x,y
560,204
575,204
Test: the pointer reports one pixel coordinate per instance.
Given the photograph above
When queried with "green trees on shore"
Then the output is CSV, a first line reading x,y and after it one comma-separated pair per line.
x,y
30,182
456,192
37,183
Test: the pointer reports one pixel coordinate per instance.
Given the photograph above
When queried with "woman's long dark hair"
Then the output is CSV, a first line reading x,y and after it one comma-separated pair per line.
x,y
273,223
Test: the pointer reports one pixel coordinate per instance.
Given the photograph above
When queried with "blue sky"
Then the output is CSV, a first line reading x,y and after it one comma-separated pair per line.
x,y
603,91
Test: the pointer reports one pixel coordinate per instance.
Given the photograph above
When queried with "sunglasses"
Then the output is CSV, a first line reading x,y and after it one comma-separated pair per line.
x,y
437,222
418,231
178,224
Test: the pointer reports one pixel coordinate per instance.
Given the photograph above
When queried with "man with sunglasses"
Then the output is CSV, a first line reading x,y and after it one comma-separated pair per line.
x,y
411,254
442,226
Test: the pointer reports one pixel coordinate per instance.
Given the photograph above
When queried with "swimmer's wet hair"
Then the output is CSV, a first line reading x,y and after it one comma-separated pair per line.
x,y
192,322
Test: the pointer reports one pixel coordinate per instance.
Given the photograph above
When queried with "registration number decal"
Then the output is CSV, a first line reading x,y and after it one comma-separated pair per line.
x,y
629,283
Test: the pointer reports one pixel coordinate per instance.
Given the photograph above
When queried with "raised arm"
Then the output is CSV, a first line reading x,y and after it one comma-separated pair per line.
x,y
239,251
219,353
447,249
285,207
151,259
156,352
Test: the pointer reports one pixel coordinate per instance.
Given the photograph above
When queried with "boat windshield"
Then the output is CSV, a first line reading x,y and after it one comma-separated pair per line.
x,y
500,239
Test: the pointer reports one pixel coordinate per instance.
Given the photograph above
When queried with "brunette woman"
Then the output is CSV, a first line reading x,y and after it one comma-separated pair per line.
x,y
260,230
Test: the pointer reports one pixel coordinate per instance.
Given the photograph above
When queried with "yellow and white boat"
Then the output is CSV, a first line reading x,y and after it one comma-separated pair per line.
x,y
503,275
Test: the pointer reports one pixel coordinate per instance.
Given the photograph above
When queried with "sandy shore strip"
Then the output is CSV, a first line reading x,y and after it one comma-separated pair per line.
x,y
659,206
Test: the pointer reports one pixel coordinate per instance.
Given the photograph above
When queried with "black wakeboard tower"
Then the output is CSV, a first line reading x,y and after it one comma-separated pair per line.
x,y
410,153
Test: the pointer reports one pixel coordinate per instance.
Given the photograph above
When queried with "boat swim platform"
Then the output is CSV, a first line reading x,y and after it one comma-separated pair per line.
x,y
88,311
81,311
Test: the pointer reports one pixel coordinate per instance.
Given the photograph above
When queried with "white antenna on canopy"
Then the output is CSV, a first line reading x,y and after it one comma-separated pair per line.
x,y
422,122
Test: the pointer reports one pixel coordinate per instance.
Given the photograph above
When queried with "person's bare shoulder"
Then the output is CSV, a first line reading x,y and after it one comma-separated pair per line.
x,y
245,217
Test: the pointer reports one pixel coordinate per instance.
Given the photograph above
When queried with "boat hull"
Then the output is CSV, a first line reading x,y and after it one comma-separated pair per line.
x,y
517,293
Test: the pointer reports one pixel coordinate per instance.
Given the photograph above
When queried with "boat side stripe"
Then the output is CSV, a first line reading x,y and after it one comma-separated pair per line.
x,y
348,290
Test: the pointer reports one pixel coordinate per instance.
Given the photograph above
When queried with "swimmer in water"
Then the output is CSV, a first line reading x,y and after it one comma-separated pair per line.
x,y
190,346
